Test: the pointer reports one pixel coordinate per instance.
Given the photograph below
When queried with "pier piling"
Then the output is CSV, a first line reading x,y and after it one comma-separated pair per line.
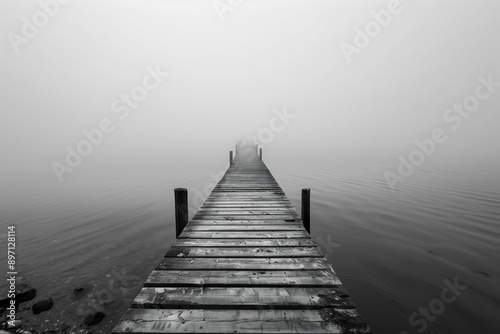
x,y
181,210
306,209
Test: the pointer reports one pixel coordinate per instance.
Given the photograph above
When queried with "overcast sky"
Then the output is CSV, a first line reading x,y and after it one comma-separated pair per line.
x,y
231,68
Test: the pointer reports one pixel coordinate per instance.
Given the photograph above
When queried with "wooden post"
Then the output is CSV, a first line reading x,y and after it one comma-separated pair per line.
x,y
236,149
230,157
306,209
181,210
260,153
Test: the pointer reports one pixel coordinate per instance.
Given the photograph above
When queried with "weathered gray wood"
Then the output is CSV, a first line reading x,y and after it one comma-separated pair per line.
x,y
271,194
249,216
242,227
245,235
244,252
246,204
245,222
318,321
245,243
235,278
242,297
233,212
228,263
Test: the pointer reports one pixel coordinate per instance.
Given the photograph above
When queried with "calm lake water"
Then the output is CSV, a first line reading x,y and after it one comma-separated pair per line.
x,y
106,227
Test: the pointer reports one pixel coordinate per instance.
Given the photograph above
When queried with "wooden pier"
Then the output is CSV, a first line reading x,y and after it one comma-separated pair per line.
x,y
245,263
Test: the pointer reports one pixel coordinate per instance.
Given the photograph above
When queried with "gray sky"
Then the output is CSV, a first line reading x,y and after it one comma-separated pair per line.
x,y
227,76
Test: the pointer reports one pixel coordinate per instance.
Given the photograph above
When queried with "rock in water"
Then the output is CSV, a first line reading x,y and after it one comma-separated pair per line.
x,y
42,305
24,292
81,291
93,318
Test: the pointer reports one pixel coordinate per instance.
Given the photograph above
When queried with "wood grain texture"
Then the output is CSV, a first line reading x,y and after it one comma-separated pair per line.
x,y
306,242
242,298
290,263
244,252
245,235
238,321
242,278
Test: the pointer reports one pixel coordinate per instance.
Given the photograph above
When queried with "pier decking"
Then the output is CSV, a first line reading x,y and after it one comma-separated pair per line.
x,y
243,264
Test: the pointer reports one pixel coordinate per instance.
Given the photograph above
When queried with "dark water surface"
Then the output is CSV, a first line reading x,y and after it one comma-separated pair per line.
x,y
395,252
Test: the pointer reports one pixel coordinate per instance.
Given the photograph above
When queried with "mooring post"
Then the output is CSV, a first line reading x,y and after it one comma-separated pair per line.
x,y
181,210
230,157
236,151
306,209
260,153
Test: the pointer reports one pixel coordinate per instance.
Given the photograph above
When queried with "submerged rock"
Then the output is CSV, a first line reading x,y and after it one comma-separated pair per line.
x,y
24,292
93,318
81,291
42,305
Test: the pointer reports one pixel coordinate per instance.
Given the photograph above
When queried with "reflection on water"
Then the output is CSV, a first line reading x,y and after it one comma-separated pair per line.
x,y
392,250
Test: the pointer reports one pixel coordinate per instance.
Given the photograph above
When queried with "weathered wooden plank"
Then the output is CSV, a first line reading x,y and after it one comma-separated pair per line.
x,y
248,199
246,222
254,217
327,320
245,243
250,187
244,235
254,278
249,184
247,204
243,227
239,211
271,199
243,252
243,194
242,297
228,263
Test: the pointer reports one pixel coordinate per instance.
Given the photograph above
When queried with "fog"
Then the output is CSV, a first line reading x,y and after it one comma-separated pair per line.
x,y
230,71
